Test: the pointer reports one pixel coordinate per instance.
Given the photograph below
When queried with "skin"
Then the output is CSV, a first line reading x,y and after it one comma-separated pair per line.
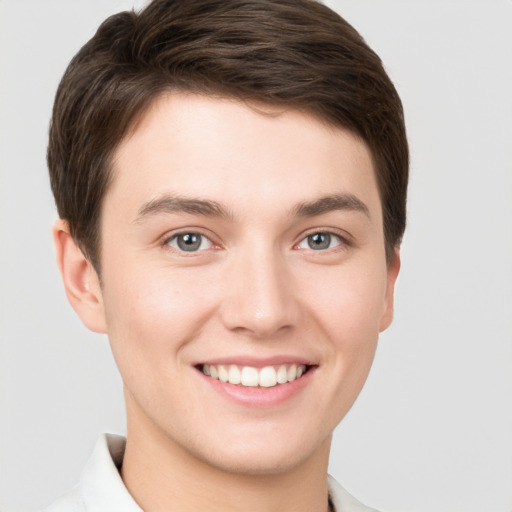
x,y
256,289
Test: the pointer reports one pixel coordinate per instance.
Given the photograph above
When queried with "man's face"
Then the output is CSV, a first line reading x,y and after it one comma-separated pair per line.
x,y
233,241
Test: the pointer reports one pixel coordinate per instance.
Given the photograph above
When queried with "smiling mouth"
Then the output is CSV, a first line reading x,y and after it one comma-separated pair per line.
x,y
249,376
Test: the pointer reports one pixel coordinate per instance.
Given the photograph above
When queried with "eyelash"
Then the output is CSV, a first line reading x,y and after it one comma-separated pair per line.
x,y
175,237
330,235
342,241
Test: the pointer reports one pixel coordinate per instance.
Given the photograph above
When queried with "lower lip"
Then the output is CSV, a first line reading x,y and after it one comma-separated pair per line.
x,y
259,396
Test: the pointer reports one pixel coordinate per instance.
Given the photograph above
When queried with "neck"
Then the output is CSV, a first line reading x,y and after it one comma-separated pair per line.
x,y
161,475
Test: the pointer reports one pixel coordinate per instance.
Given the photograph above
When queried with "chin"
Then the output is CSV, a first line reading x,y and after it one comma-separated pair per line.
x,y
267,455
256,464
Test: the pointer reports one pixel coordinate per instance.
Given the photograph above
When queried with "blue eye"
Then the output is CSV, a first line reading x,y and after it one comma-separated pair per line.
x,y
190,242
320,241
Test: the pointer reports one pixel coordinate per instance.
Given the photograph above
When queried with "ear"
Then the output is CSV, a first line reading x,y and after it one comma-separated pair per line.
x,y
393,270
80,280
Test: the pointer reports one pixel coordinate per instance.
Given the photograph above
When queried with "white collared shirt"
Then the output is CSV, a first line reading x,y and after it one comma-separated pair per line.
x,y
101,488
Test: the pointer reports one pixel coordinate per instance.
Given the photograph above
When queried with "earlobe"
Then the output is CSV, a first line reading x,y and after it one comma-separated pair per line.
x,y
80,279
393,270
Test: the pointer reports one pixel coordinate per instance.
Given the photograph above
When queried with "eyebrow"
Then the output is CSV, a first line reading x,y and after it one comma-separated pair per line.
x,y
181,204
209,208
335,202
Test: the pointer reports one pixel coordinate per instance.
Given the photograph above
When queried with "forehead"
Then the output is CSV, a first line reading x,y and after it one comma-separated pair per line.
x,y
246,154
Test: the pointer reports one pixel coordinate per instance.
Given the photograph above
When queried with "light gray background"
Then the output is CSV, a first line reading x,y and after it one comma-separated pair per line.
x,y
432,431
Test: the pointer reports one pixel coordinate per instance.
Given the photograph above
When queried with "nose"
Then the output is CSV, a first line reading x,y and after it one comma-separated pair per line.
x,y
259,299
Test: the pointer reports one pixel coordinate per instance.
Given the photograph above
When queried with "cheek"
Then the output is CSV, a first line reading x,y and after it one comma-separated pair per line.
x,y
155,312
349,302
349,310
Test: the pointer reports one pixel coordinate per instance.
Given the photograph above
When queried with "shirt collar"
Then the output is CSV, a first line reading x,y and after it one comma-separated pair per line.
x,y
101,485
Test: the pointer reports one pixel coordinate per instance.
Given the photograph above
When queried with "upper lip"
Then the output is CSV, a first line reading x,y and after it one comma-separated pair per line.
x,y
256,362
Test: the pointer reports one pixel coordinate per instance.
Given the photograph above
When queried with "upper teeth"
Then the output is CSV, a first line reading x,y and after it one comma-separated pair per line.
x,y
265,377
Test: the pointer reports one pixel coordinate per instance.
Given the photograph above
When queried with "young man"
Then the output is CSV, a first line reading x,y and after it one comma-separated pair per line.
x,y
231,181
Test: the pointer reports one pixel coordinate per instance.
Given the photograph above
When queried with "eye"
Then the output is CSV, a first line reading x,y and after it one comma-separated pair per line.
x,y
320,241
190,242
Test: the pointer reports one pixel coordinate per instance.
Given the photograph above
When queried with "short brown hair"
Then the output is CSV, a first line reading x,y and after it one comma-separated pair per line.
x,y
294,53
